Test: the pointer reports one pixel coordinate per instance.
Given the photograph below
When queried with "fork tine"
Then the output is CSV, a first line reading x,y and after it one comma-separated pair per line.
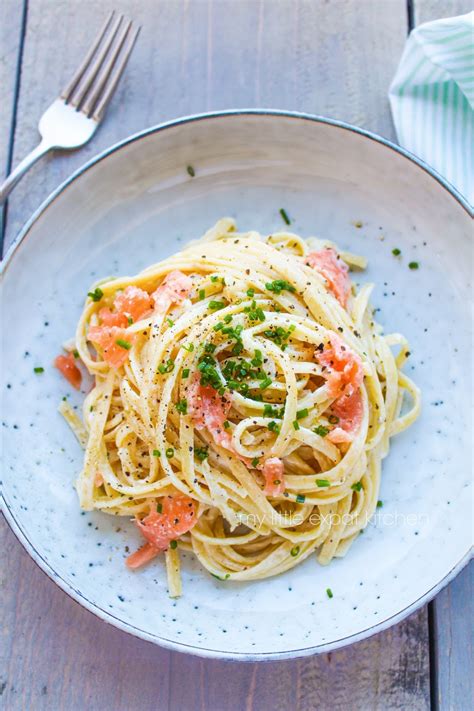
x,y
106,69
67,91
114,77
80,90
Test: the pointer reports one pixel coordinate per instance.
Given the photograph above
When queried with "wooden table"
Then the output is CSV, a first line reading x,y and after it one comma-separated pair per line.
x,y
332,57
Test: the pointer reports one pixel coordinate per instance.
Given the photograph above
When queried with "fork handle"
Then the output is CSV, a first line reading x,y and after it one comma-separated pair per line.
x,y
16,175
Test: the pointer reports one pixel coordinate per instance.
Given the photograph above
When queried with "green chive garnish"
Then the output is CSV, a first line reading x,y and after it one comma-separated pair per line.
x,y
302,413
189,347
123,344
300,498
265,383
96,295
322,482
279,285
170,322
75,353
216,305
357,486
379,504
413,265
185,372
329,593
284,216
201,453
169,452
191,171
156,453
321,430
396,252
202,294
250,292
333,419
38,369
182,406
255,461
173,544
159,507
294,551
296,424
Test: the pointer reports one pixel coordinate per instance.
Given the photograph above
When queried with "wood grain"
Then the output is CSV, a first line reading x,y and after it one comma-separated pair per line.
x,y
199,55
57,656
426,10
334,57
451,612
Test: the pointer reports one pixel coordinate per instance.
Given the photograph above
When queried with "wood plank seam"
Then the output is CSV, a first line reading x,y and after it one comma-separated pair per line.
x,y
11,138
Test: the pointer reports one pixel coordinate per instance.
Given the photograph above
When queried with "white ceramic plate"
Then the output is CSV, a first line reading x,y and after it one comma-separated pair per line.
x,y
134,205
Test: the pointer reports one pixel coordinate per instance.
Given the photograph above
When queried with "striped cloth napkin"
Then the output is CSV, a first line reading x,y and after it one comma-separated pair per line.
x,y
432,98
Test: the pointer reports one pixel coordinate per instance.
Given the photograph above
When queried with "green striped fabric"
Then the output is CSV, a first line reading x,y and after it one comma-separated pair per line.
x,y
432,98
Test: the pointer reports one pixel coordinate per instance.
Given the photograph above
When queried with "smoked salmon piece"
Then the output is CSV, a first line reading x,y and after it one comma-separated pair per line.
x,y
273,471
115,343
342,367
174,289
336,272
349,410
209,409
67,367
176,515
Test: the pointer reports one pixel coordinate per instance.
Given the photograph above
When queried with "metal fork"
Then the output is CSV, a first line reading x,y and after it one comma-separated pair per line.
x,y
73,118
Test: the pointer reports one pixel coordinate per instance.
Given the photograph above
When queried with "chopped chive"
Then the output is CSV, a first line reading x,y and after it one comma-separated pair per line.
x,y
322,482
257,359
189,347
274,427
38,369
185,373
191,171
279,285
302,413
265,383
379,504
216,305
250,292
358,224
294,551
357,486
333,419
413,265
226,424
170,322
300,498
396,252
202,294
123,344
182,407
173,544
296,424
226,576
284,216
167,367
169,452
228,318
159,507
75,353
96,295
321,430
130,320
329,593
255,462
156,453
201,453
214,278
209,348
219,326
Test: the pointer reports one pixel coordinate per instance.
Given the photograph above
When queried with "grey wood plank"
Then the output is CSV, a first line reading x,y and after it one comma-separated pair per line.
x,y
426,10
452,617
10,36
198,55
451,612
56,655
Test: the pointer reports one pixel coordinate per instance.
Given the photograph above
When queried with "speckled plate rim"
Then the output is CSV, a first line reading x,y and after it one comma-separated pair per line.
x,y
75,594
